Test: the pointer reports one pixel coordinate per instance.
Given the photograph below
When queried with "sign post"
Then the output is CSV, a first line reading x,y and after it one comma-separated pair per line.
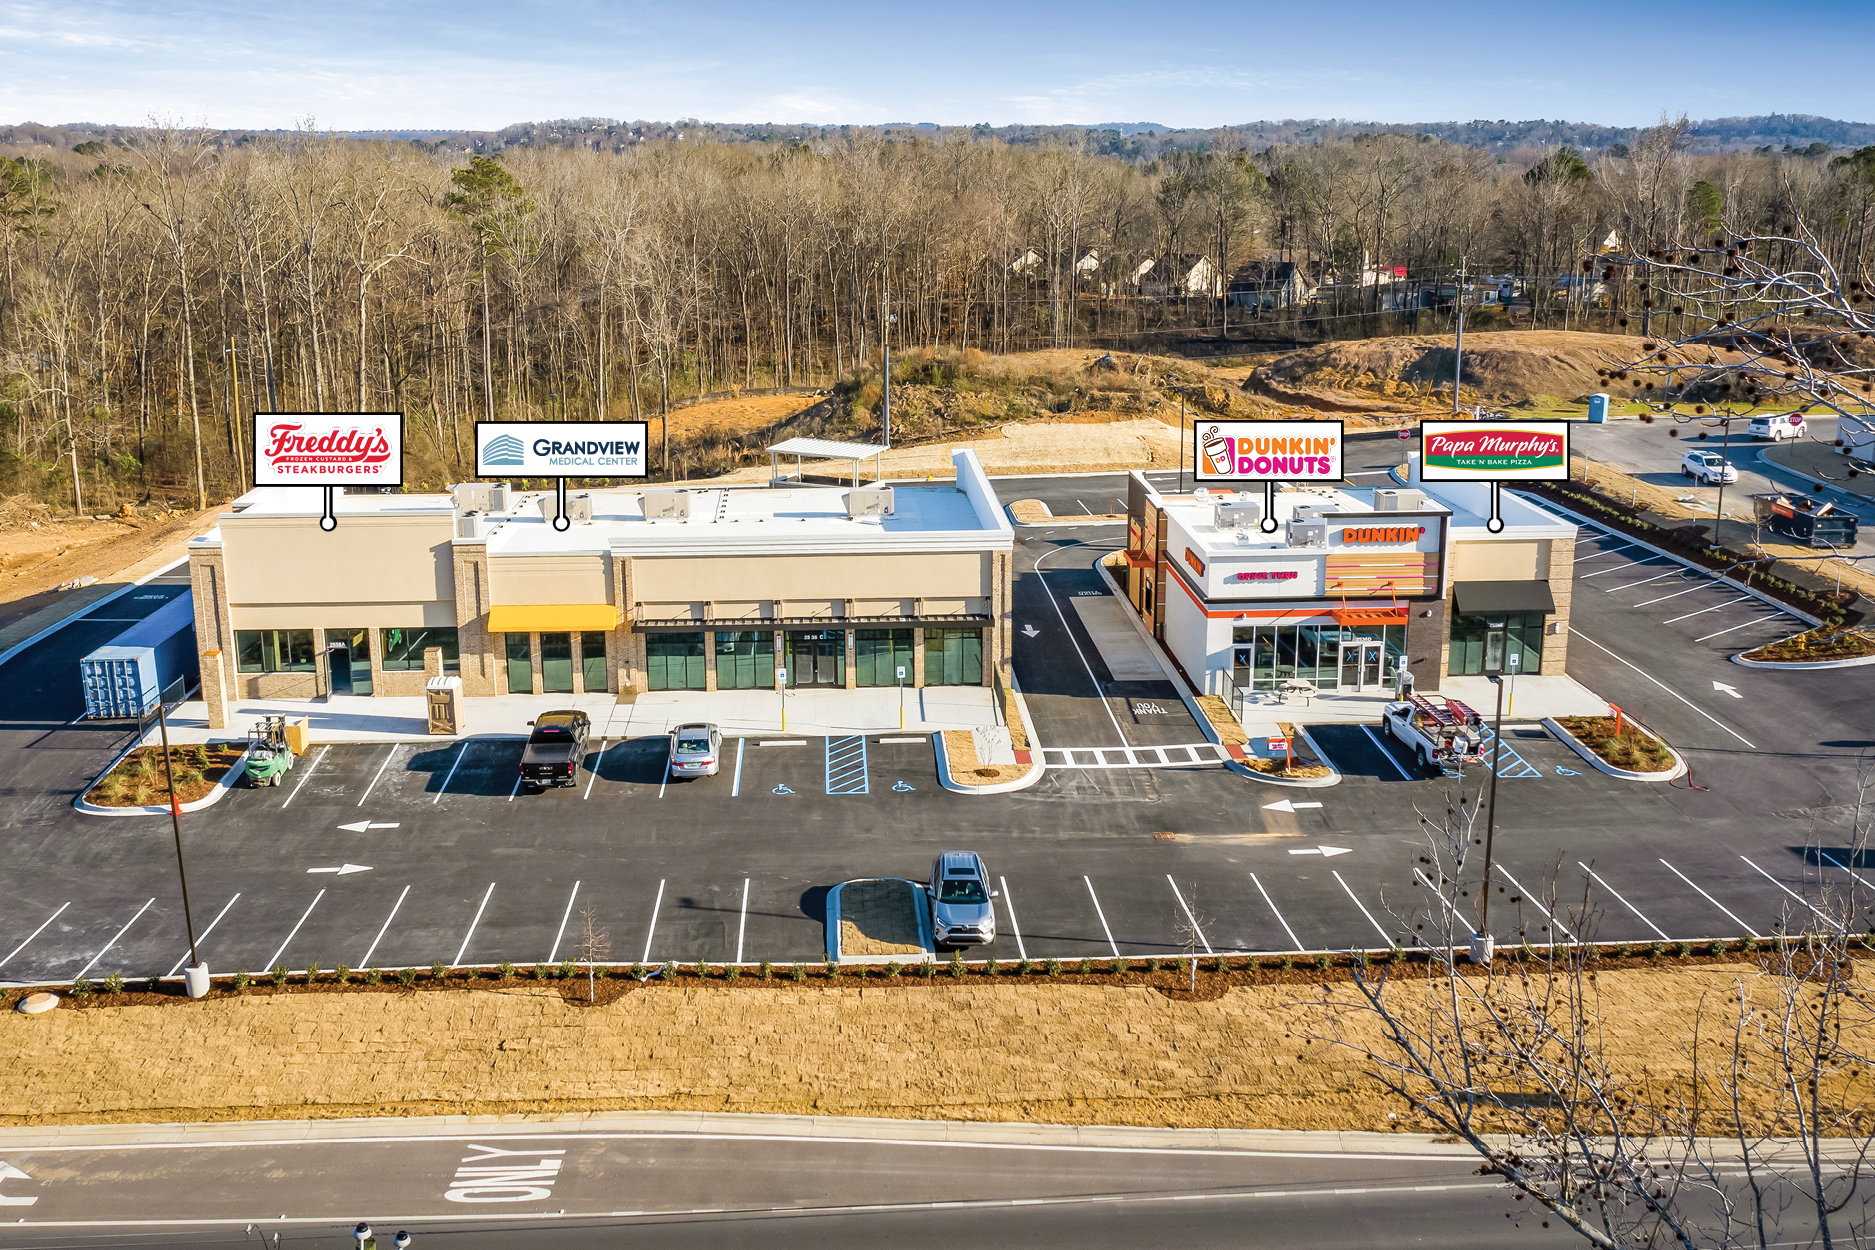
x,y
781,682
1267,452
559,450
901,696
328,449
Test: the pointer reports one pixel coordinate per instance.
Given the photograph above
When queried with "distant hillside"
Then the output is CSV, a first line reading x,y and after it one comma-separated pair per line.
x,y
1142,141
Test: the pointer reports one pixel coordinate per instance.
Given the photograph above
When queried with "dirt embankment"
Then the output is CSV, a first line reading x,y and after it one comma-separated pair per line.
x,y
39,553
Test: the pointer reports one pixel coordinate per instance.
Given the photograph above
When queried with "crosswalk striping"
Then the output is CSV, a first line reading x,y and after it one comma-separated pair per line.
x,y
1186,755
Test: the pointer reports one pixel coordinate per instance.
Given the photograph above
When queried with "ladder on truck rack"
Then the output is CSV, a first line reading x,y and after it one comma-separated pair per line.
x,y
1454,714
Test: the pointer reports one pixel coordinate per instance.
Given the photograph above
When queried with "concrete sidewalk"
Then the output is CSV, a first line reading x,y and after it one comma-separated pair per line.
x,y
1528,697
810,713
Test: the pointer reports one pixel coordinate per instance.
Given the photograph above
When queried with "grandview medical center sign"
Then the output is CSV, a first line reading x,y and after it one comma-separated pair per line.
x,y
1494,452
329,449
560,449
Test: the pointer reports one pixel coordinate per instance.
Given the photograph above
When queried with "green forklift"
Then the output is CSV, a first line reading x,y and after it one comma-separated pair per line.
x,y
268,756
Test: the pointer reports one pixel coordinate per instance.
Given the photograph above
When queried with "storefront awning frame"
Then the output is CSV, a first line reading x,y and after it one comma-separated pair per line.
x,y
1486,598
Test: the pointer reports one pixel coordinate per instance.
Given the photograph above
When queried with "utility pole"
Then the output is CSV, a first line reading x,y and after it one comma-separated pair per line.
x,y
195,975
1458,351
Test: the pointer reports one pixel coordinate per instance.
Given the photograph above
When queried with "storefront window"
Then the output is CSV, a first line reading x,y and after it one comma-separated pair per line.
x,y
274,650
745,659
556,663
592,673
1486,644
953,657
404,648
880,653
1328,656
520,650
675,661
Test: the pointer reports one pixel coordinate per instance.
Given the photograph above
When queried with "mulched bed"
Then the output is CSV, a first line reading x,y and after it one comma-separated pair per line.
x,y
139,780
1816,646
1635,750
1170,980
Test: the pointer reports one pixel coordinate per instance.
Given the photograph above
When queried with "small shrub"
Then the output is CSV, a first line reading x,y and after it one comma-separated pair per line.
x,y
342,974
312,972
1656,949
766,971
637,971
1619,950
504,971
569,969
894,968
1286,962
1052,967
541,972
81,988
374,975
114,984
1360,957
1719,946
798,973
279,974
1184,966
990,966
957,968
1324,961
1683,949
732,972
1153,965
153,983
928,968
243,979
406,976
1748,944
704,970
1025,967
832,969
1221,964
438,971
668,970
1087,967
1396,956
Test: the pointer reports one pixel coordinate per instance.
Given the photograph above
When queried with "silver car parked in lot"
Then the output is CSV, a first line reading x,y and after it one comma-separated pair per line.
x,y
959,889
694,749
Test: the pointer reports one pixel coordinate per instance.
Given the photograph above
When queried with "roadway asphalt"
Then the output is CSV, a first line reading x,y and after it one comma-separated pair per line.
x,y
591,1189
1091,862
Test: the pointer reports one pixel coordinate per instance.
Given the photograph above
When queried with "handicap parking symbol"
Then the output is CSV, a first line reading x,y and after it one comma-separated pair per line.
x,y
902,788
1566,772
781,789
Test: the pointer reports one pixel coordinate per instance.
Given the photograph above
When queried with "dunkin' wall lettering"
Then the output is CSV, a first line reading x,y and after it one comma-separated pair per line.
x,y
328,449
1487,451
1267,451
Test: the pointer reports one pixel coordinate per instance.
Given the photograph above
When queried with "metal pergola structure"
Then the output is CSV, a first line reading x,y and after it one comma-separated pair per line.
x,y
821,449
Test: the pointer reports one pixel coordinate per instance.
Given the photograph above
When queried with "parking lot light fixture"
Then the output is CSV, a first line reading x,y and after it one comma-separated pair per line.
x,y
1490,819
195,974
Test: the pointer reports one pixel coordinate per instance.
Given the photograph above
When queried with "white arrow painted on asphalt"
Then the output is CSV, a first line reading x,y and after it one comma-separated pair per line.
x,y
9,1172
1284,805
1719,685
343,869
359,826
1327,852
1031,631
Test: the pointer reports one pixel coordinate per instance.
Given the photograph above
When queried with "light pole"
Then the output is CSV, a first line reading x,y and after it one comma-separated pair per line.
x,y
1483,948
886,319
1458,347
195,972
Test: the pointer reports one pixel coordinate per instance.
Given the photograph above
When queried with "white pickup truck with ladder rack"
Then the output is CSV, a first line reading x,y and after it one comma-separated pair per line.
x,y
1445,732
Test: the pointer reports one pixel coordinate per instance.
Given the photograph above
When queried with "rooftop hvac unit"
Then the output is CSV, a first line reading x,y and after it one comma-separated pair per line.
x,y
1307,511
1308,533
471,496
667,505
869,501
578,508
498,500
469,525
1238,514
1399,500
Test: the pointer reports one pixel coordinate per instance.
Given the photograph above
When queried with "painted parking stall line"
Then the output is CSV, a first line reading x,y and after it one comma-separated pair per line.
x,y
597,764
846,771
1270,903
553,955
1363,906
742,925
1821,914
203,935
1099,911
389,756
1663,685
306,777
1619,899
1675,595
444,789
652,929
735,787
1197,930
1009,905
1518,886
107,946
383,929
35,933
1715,902
464,948
1684,616
294,932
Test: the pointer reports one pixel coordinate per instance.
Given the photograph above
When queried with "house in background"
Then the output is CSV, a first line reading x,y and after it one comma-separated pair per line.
x,y
1269,284
1180,277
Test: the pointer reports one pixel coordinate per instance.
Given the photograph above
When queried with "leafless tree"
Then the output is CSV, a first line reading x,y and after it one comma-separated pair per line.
x,y
593,946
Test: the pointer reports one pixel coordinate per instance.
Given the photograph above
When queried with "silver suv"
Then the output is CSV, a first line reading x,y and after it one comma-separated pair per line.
x,y
961,912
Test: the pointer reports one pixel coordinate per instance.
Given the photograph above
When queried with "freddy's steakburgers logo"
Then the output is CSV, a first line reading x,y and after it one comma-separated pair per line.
x,y
1467,450
291,449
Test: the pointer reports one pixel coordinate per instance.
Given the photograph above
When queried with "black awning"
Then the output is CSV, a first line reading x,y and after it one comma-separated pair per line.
x,y
1484,598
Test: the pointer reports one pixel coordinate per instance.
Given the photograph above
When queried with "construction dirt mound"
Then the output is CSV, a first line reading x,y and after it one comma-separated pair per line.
x,y
1504,367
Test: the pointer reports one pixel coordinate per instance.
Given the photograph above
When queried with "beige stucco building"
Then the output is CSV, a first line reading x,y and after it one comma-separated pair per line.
x,y
667,588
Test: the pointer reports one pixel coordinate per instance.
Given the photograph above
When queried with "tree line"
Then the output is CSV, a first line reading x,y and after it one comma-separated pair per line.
x,y
157,290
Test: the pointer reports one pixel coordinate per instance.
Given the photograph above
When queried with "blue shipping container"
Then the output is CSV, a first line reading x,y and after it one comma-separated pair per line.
x,y
123,679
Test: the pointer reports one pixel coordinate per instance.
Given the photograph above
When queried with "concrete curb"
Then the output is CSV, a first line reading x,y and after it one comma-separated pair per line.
x,y
1300,783
1801,666
76,612
1539,502
925,938
208,800
1036,767
1601,765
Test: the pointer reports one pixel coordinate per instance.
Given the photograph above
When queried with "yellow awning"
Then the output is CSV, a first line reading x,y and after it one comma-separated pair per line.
x,y
552,618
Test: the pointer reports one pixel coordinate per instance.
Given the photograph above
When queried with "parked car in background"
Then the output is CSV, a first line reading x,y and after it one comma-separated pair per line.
x,y
694,750
1776,426
960,894
554,749
1708,468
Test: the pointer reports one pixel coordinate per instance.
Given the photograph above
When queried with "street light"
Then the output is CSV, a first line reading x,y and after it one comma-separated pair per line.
x,y
1483,948
195,972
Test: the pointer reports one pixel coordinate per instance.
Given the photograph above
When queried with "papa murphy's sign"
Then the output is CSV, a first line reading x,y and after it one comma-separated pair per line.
x,y
1484,451
328,448
1267,451
560,449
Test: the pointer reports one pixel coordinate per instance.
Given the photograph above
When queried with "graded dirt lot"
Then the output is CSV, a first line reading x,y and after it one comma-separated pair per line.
x,y
36,559
727,418
1254,1057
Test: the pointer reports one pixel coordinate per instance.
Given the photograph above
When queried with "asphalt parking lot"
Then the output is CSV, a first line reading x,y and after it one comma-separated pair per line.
x,y
452,864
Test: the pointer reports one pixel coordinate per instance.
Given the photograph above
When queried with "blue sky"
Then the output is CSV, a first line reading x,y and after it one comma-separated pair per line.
x,y
471,64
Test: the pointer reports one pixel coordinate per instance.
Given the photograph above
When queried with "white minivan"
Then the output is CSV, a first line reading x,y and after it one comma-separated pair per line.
x,y
1777,426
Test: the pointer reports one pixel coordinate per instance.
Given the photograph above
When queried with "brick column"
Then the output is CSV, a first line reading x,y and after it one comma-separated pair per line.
x,y
214,690
214,629
475,646
1426,642
1561,574
917,657
625,655
709,659
533,649
432,663
852,660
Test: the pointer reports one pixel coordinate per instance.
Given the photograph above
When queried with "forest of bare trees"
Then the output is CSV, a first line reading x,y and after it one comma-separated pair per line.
x,y
156,291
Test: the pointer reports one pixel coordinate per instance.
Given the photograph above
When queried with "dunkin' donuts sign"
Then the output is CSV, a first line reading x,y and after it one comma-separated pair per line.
x,y
1503,451
1267,451
328,449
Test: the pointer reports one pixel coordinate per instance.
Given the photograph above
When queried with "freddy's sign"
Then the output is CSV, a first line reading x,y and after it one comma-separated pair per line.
x,y
1494,451
328,449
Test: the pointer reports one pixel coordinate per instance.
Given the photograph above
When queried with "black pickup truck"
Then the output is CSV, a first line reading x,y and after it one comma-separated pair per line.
x,y
554,750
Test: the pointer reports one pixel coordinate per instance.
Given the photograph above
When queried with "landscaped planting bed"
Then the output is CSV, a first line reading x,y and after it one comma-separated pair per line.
x,y
1816,646
1633,748
139,779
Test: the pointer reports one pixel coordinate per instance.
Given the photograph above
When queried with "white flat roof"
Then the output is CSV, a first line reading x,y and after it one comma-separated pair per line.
x,y
826,449
1198,516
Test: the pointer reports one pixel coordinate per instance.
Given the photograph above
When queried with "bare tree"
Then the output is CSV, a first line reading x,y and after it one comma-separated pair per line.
x,y
593,946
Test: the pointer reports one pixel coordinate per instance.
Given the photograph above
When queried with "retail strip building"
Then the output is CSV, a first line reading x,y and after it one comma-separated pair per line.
x,y
699,588
1354,583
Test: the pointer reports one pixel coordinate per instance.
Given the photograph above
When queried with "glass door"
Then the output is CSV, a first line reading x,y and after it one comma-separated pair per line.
x,y
1370,663
817,657
1494,646
339,668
